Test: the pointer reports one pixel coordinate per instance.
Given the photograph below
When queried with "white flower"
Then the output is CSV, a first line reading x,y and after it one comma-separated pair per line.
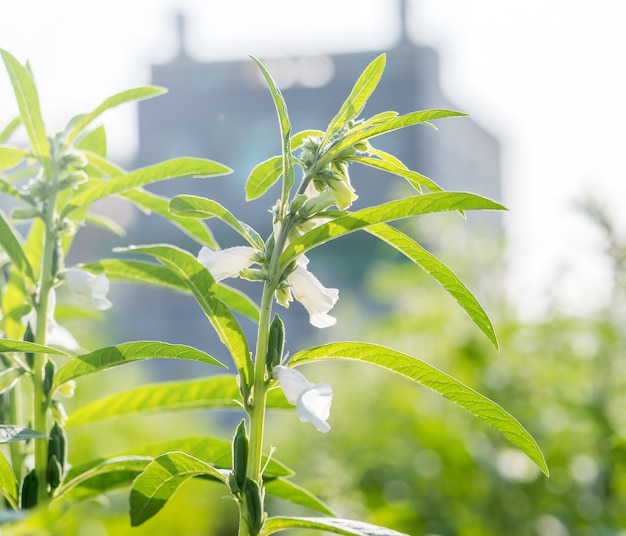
x,y
312,400
316,298
93,286
227,262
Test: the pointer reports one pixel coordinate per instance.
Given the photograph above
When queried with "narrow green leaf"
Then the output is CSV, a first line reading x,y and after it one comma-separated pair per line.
x,y
136,94
175,168
9,486
100,166
12,247
287,490
11,156
8,131
203,287
417,180
10,433
103,222
361,92
217,452
150,202
8,189
104,477
9,377
285,130
94,141
160,480
28,103
9,345
347,527
213,392
367,130
191,206
153,274
263,177
440,382
393,210
106,358
440,272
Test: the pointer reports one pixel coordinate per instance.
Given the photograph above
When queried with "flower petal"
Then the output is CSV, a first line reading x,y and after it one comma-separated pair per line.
x,y
226,262
313,405
87,284
316,298
292,382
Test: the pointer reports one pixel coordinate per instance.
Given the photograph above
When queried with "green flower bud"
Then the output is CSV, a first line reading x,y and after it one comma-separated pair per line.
x,y
74,180
25,213
30,488
54,473
255,516
73,159
57,445
276,344
240,456
48,377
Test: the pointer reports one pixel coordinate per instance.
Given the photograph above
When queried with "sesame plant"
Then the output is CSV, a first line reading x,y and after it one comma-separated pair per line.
x,y
56,180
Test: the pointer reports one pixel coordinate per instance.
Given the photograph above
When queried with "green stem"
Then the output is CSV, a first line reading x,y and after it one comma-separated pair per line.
x,y
40,400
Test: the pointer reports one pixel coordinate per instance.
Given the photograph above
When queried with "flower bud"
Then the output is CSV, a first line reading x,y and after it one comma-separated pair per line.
x,y
30,489
240,456
48,377
276,344
74,159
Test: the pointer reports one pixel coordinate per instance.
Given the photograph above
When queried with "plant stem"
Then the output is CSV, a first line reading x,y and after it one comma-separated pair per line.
x,y
40,399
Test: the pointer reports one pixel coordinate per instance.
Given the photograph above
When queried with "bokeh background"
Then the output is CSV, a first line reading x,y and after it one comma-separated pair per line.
x,y
544,85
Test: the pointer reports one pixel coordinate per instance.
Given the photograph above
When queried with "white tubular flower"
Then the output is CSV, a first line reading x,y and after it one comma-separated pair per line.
x,y
312,400
316,298
93,286
228,262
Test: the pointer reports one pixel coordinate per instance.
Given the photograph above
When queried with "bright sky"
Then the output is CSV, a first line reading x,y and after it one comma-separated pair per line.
x,y
546,77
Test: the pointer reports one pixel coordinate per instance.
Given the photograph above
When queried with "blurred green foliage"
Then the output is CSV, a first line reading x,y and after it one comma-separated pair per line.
x,y
425,467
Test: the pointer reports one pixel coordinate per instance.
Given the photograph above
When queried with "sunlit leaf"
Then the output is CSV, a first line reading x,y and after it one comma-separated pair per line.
x,y
361,92
203,287
113,356
170,169
103,222
9,486
347,527
28,103
94,141
193,206
440,382
135,94
11,156
8,131
10,433
9,377
417,180
9,345
287,490
160,480
440,272
213,392
285,129
12,247
393,210
263,177
150,202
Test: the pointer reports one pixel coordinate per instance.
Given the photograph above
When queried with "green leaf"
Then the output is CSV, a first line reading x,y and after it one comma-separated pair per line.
x,y
347,527
191,206
28,103
285,130
94,141
440,382
440,272
106,476
13,248
297,139
369,130
160,480
106,223
393,210
153,274
9,486
203,287
9,377
9,345
361,92
287,490
213,392
7,188
175,168
136,94
113,356
10,433
11,156
8,131
417,180
263,177
150,202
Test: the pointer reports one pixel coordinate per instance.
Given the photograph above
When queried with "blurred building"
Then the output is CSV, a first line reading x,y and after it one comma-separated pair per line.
x,y
224,111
